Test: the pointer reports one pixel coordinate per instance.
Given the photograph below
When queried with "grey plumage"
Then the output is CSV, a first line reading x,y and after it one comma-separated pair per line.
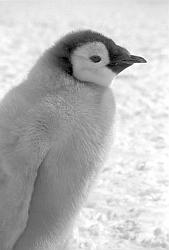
x,y
55,131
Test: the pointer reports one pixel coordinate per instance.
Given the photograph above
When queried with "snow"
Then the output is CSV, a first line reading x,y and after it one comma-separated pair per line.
x,y
128,209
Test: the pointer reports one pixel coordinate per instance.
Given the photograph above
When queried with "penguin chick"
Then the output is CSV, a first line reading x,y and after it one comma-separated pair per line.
x,y
55,131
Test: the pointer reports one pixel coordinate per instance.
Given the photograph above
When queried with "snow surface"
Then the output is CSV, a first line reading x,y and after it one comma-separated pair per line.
x,y
128,209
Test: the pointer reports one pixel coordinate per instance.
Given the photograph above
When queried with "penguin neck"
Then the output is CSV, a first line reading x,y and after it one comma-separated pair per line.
x,y
44,79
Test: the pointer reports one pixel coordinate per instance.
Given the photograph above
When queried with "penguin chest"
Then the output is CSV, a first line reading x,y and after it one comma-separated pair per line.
x,y
89,128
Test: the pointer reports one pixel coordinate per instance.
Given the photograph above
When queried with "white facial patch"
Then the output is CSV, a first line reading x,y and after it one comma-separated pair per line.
x,y
84,69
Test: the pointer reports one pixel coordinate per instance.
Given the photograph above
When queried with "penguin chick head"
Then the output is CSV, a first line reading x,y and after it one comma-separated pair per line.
x,y
91,57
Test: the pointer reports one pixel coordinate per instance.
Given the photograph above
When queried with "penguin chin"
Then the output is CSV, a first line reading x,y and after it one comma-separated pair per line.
x,y
117,68
102,76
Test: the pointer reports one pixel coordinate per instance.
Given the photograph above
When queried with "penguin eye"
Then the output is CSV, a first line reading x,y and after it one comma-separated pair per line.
x,y
95,58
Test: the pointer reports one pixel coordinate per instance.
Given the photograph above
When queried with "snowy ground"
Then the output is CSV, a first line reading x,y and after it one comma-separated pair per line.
x,y
129,207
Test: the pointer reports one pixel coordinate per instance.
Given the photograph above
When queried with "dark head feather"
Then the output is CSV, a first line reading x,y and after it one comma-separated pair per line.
x,y
61,52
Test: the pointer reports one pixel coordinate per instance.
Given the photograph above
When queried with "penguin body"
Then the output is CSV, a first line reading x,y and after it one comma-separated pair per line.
x,y
55,131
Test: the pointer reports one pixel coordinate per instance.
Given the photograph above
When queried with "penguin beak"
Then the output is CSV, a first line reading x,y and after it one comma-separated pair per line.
x,y
134,59
122,63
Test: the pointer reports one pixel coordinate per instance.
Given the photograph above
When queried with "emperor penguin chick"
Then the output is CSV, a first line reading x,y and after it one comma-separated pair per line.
x,y
55,130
